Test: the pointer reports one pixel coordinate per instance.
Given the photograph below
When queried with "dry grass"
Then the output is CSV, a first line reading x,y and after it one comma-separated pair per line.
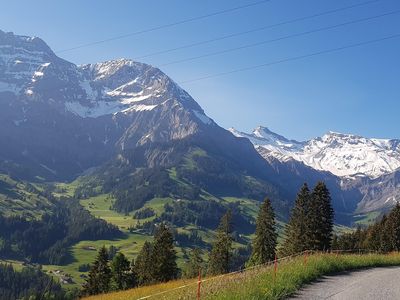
x,y
260,282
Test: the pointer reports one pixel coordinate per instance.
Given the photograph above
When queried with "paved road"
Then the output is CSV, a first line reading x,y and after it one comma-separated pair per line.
x,y
371,284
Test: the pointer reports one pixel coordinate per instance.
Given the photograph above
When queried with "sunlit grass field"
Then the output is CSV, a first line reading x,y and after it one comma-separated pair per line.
x,y
261,282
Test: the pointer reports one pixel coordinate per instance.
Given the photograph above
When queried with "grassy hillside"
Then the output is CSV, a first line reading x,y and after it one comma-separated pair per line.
x,y
22,198
100,206
259,283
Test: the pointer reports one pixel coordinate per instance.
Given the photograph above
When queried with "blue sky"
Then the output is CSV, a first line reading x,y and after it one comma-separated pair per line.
x,y
354,91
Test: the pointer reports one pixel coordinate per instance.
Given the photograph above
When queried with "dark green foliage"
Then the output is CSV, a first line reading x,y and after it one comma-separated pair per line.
x,y
122,276
144,264
221,252
99,280
30,283
320,219
144,213
265,241
383,236
112,251
68,224
194,265
133,189
311,223
204,213
183,239
392,227
84,268
164,255
296,230
240,257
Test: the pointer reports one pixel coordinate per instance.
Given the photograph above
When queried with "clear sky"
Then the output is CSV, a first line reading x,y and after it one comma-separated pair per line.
x,y
353,91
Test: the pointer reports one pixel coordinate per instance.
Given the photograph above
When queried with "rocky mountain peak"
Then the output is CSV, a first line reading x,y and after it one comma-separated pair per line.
x,y
344,155
21,58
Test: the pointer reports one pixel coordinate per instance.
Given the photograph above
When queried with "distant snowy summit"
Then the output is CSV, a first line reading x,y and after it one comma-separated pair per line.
x,y
344,155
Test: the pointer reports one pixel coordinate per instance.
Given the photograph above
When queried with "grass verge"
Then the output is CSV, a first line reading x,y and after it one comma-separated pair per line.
x,y
261,283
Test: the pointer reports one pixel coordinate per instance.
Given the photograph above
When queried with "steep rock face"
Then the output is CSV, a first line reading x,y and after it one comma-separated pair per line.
x,y
60,119
378,194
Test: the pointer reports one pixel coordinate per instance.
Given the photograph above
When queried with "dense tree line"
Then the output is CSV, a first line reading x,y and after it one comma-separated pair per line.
x,y
29,283
311,223
383,236
155,263
66,225
109,275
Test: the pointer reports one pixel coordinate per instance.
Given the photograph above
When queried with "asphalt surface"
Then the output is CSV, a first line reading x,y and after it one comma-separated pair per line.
x,y
370,284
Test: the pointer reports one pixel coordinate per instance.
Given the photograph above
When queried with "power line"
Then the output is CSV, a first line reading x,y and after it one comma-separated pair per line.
x,y
324,13
165,26
292,59
281,38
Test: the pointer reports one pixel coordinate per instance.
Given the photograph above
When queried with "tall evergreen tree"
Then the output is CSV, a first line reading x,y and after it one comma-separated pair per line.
x,y
195,264
122,277
393,228
296,230
384,233
144,264
221,252
164,255
99,278
265,241
320,219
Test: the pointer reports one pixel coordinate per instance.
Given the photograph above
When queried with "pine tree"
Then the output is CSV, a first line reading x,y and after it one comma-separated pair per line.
x,y
122,277
265,241
144,264
164,255
99,278
195,264
221,252
296,231
393,228
320,219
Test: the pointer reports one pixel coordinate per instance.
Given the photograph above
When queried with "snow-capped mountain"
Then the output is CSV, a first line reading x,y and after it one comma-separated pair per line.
x,y
98,108
343,155
29,67
58,120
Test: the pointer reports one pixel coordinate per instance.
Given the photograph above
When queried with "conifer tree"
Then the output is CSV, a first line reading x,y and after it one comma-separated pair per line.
x,y
195,264
393,228
385,245
320,219
164,255
99,278
221,252
144,264
122,277
265,241
296,231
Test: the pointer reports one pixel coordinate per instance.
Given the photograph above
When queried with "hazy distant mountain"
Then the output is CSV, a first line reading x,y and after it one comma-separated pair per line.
x,y
369,165
345,155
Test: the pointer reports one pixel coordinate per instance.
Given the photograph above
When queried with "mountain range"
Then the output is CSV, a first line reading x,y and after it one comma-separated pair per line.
x,y
344,155
126,129
369,165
